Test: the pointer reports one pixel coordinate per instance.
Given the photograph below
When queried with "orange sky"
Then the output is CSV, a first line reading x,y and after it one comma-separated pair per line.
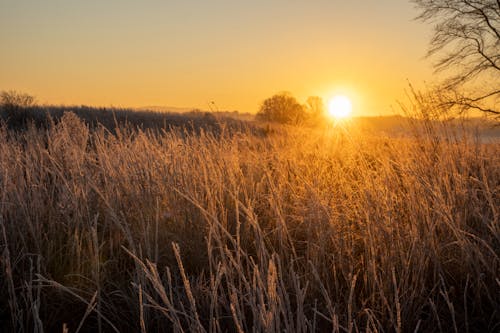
x,y
188,53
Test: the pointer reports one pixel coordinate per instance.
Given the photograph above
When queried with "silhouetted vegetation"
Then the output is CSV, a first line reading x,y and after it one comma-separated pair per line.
x,y
315,107
285,109
14,107
282,108
467,35
19,111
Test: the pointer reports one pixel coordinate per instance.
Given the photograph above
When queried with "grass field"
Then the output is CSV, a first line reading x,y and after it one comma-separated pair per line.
x,y
285,229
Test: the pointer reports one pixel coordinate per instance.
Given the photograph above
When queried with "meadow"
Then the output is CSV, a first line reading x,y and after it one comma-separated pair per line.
x,y
248,228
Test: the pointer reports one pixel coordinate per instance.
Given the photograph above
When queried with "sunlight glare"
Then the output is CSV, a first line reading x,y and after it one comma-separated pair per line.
x,y
340,107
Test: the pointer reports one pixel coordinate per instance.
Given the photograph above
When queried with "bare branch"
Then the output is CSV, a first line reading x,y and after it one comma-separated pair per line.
x,y
486,18
468,33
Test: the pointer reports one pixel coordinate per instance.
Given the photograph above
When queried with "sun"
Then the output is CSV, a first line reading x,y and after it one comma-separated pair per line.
x,y
339,107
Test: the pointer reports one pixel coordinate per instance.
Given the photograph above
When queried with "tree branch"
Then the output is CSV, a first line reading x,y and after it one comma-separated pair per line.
x,y
468,33
485,17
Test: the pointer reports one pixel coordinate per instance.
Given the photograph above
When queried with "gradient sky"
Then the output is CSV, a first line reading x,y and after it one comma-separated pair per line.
x,y
188,53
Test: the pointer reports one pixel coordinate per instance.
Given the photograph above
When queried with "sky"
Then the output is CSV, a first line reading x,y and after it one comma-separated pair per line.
x,y
188,53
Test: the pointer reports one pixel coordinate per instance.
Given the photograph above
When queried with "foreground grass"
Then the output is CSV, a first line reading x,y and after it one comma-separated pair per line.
x,y
303,230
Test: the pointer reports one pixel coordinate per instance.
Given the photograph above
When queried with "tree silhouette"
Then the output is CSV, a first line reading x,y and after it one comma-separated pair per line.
x,y
315,106
14,99
282,108
467,36
14,106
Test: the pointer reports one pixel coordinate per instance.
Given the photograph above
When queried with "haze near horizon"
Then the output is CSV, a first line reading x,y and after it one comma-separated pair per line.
x,y
189,53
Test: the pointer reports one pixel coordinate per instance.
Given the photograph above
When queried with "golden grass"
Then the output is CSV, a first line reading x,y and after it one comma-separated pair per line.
x,y
304,230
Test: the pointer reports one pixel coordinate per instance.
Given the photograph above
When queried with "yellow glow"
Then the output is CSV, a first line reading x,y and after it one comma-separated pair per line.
x,y
94,54
339,107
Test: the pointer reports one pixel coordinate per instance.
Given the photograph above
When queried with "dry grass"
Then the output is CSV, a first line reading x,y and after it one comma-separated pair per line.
x,y
303,230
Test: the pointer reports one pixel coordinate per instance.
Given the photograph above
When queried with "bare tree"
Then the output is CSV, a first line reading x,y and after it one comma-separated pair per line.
x,y
14,106
467,36
14,99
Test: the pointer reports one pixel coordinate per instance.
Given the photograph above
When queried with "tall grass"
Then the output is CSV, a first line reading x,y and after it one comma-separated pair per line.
x,y
303,230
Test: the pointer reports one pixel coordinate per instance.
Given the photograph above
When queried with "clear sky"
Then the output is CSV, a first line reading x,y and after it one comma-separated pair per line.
x,y
190,52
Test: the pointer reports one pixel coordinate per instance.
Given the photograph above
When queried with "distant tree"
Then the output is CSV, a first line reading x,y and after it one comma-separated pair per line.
x,y
315,106
467,33
282,108
14,99
14,105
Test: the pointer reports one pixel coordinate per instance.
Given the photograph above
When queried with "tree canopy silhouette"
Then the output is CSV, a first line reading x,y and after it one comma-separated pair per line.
x,y
14,99
13,106
467,36
282,108
315,106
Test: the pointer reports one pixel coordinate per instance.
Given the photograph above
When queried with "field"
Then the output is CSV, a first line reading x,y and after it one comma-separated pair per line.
x,y
247,228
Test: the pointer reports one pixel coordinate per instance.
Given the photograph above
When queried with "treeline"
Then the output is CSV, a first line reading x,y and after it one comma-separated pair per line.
x,y
19,111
